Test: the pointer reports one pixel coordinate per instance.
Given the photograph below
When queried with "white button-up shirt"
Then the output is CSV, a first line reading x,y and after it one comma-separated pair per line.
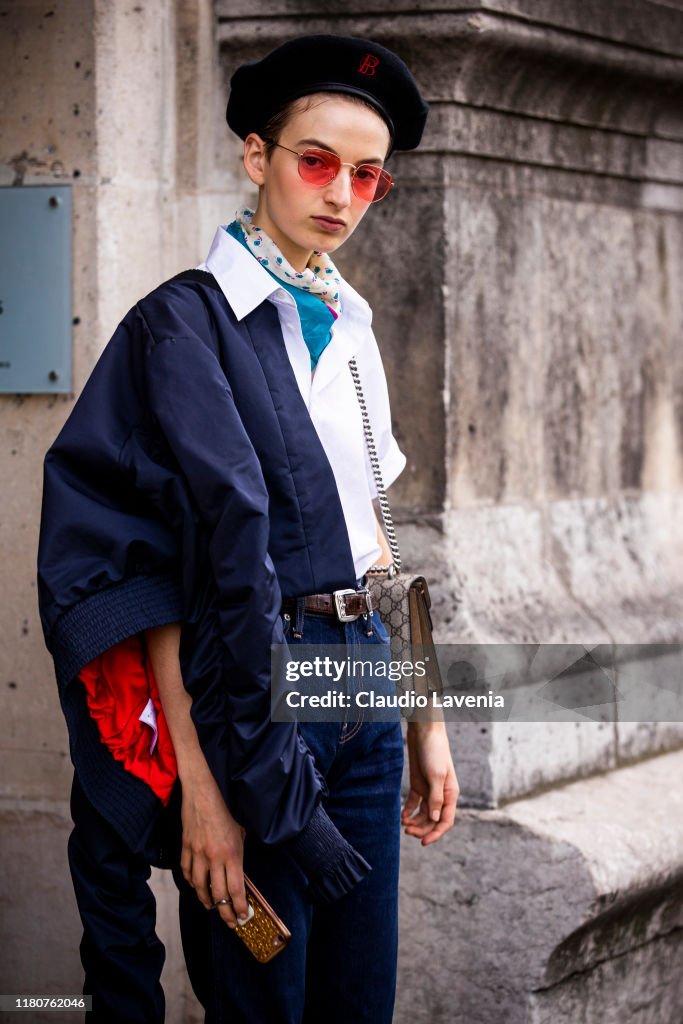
x,y
330,395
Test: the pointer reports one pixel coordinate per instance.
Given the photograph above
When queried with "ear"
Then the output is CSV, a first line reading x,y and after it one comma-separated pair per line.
x,y
255,158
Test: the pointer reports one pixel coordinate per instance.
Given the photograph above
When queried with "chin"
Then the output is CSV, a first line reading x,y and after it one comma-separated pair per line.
x,y
329,242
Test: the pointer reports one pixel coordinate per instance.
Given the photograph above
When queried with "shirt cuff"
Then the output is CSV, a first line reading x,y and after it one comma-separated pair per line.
x,y
332,865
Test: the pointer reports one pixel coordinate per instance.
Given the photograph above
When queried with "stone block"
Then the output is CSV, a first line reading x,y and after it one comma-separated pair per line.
x,y
622,558
409,327
33,748
546,392
510,575
537,909
618,987
500,582
48,128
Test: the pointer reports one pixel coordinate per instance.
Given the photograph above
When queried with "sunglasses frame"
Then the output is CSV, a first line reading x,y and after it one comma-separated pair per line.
x,y
356,167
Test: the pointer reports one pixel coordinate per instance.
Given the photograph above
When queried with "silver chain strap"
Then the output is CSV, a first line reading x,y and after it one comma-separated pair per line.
x,y
377,472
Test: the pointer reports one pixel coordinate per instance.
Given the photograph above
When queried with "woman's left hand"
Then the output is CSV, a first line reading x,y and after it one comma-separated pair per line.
x,y
429,811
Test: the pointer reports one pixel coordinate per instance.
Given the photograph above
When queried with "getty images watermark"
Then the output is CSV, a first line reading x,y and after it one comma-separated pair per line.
x,y
478,682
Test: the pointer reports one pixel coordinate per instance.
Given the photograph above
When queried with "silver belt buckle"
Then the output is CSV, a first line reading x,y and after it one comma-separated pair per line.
x,y
340,606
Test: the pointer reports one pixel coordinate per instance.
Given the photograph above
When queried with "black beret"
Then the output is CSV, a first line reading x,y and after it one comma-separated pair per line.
x,y
323,63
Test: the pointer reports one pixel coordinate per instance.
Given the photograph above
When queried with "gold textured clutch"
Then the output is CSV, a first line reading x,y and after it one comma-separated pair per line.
x,y
264,934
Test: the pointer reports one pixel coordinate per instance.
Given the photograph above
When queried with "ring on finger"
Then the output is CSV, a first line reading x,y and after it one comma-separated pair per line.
x,y
227,902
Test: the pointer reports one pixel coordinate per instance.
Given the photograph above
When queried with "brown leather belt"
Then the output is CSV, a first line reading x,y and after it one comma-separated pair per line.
x,y
345,605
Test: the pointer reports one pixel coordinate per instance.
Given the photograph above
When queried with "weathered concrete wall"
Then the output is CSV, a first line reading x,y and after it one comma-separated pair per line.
x,y
119,100
531,329
531,333
47,133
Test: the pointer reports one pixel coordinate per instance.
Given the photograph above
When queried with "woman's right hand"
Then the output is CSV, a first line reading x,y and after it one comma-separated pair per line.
x,y
212,850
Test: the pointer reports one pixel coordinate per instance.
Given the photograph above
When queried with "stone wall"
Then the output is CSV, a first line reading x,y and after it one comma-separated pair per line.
x,y
120,101
531,330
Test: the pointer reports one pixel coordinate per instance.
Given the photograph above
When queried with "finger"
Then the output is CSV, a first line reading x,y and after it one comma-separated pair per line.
x,y
237,892
435,834
220,895
186,864
412,805
199,880
437,831
225,911
415,809
447,818
420,824
436,798
419,816
420,828
419,831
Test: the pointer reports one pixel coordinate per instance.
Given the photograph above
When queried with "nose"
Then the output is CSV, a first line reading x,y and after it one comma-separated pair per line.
x,y
339,190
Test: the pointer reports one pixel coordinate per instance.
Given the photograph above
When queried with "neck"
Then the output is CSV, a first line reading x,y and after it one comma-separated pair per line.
x,y
292,252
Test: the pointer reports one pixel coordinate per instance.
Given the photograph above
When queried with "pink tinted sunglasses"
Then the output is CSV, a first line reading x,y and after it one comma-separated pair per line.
x,y
319,167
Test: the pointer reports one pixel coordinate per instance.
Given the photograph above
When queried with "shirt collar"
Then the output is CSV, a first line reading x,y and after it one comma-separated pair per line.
x,y
243,282
246,284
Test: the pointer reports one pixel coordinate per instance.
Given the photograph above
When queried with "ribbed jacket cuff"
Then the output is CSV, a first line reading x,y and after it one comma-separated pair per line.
x,y
109,616
332,865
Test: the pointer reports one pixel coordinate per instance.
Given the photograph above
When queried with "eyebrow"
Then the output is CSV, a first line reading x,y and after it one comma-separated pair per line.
x,y
323,145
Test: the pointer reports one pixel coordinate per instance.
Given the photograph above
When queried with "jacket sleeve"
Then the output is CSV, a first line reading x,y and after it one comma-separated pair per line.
x,y
275,787
107,561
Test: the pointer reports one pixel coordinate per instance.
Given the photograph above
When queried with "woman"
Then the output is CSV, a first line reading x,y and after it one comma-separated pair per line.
x,y
210,495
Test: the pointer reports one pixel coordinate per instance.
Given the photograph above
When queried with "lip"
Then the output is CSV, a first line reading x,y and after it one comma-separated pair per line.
x,y
329,223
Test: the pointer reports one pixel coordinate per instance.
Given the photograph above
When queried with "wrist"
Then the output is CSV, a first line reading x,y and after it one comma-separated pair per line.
x,y
192,768
420,728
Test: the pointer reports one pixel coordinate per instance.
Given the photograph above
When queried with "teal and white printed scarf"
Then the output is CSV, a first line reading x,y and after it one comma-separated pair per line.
x,y
315,290
320,277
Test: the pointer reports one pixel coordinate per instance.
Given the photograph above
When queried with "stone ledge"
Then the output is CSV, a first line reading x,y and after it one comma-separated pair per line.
x,y
465,131
626,826
619,989
629,23
517,903
494,59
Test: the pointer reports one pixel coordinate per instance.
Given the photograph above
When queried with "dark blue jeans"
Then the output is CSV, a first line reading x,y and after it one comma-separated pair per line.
x,y
340,965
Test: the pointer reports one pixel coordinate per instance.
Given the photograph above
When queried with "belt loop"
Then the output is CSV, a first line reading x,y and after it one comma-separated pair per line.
x,y
362,584
299,617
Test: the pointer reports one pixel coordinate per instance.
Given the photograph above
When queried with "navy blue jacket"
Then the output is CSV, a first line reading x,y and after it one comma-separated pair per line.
x,y
189,485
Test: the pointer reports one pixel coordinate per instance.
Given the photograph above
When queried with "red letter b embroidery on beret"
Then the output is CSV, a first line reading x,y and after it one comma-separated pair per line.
x,y
368,64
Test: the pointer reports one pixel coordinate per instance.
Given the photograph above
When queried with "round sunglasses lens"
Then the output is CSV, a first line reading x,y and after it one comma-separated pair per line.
x,y
318,168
